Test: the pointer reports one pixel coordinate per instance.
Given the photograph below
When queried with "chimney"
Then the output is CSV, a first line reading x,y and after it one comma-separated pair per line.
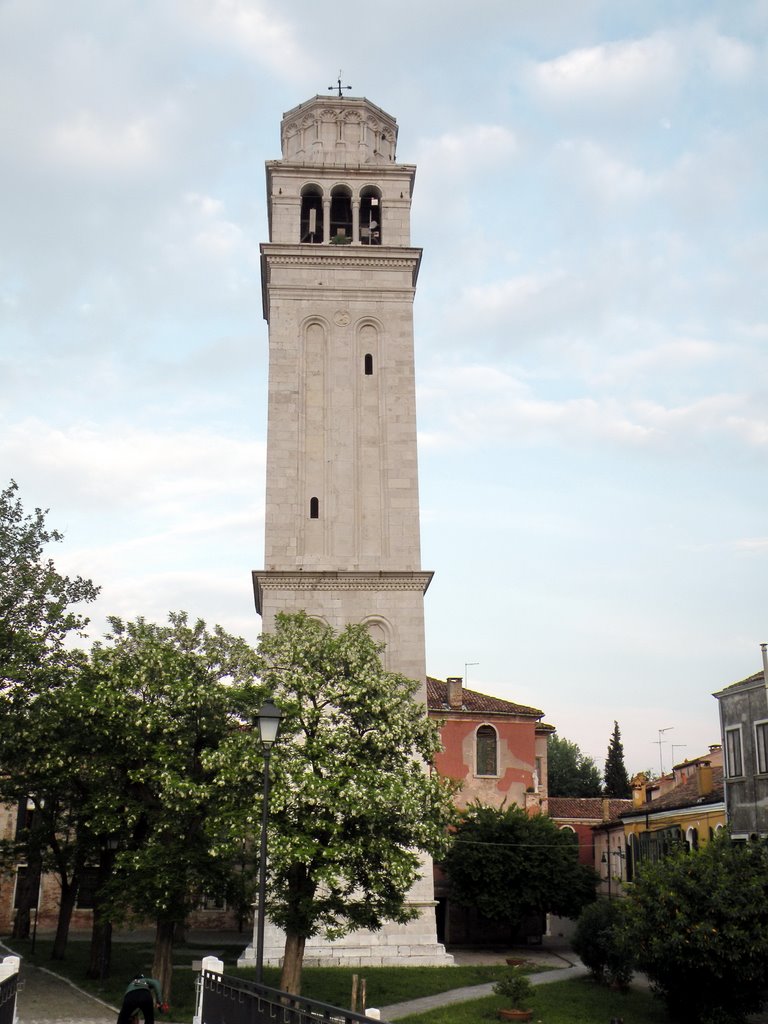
x,y
638,790
606,808
704,779
455,694
765,663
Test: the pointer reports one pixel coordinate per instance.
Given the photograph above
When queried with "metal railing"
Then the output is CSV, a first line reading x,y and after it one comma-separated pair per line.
x,y
230,1000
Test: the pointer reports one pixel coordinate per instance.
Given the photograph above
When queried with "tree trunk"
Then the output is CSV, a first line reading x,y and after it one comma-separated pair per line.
x,y
66,906
101,950
162,965
101,930
293,961
28,895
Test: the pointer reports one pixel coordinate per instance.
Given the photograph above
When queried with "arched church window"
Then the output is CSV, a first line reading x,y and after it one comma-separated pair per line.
x,y
314,508
486,750
311,214
370,217
341,215
368,364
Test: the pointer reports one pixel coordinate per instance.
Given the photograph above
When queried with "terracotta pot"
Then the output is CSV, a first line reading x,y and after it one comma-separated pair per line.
x,y
515,1014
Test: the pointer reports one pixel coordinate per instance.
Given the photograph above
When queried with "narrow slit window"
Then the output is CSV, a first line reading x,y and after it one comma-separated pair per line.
x,y
368,364
314,508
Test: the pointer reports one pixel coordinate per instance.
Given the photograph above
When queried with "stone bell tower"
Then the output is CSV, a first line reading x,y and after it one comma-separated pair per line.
x,y
342,505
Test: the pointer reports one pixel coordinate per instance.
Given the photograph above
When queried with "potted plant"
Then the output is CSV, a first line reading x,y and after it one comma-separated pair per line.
x,y
516,988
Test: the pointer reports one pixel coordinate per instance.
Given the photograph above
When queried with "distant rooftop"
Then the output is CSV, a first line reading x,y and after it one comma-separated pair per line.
x,y
472,701
587,808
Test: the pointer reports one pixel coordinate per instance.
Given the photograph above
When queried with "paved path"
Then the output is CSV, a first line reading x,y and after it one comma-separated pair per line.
x,y
463,995
45,998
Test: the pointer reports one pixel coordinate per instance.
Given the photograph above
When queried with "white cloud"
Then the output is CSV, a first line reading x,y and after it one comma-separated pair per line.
x,y
93,143
255,29
475,406
607,176
752,544
674,356
610,73
124,468
473,148
634,72
728,58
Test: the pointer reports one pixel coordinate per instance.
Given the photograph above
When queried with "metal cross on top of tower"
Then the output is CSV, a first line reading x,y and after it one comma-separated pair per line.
x,y
339,86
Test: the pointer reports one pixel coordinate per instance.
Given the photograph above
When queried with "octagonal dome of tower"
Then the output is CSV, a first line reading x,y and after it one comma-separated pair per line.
x,y
338,131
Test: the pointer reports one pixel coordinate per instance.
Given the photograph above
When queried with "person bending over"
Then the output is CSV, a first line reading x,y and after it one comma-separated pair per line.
x,y
142,994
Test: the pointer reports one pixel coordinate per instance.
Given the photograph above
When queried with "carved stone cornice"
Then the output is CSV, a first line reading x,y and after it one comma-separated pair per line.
x,y
329,580
339,256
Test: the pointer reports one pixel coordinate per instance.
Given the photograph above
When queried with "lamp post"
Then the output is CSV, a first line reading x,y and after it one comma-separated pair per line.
x,y
605,859
268,720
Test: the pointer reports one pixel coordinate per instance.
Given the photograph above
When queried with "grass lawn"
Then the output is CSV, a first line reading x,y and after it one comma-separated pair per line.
x,y
384,985
580,1001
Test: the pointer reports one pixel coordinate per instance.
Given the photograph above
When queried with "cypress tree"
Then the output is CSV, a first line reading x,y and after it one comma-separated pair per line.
x,y
616,778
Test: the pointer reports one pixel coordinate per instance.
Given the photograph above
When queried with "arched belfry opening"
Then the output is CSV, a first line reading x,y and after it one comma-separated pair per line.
x,y
341,213
311,214
370,216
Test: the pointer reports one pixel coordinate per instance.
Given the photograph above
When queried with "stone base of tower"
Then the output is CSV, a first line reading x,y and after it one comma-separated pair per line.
x,y
394,945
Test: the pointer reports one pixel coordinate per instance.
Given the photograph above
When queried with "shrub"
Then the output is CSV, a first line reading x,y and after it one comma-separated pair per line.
x,y
699,921
602,942
516,987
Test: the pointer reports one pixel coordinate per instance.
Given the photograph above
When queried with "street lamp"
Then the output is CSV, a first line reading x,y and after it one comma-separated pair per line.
x,y
268,721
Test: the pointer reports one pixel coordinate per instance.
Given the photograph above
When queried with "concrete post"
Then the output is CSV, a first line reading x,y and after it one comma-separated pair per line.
x,y
209,963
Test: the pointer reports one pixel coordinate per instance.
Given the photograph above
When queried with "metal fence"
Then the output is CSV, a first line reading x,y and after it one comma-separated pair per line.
x,y
8,999
229,1000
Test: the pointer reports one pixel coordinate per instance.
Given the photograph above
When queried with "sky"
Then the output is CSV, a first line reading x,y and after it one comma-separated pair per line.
x,y
591,323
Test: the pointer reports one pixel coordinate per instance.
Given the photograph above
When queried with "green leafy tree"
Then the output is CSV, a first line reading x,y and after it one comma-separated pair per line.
x,y
602,942
511,865
37,604
164,701
569,771
46,767
352,802
617,783
699,923
39,615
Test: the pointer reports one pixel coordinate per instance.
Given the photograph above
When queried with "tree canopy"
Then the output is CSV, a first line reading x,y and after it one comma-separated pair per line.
x,y
39,614
510,865
164,704
569,771
698,922
37,603
352,803
617,782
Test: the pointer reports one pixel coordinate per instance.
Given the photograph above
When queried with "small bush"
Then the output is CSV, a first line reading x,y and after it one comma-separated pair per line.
x,y
516,987
602,943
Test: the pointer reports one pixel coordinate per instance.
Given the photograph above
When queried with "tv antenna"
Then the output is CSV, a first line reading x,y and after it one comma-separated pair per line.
x,y
339,86
660,740
466,666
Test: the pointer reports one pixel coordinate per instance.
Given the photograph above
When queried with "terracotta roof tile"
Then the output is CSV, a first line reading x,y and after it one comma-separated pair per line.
x,y
685,795
585,807
474,702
